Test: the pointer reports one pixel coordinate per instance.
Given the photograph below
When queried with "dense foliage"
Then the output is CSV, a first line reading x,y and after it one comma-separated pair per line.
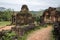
x,y
7,35
56,31
5,15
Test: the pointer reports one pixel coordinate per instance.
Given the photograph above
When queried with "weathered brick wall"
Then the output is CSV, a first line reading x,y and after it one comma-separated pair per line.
x,y
50,15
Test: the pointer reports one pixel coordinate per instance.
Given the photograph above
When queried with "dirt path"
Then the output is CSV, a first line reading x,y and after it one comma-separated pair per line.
x,y
42,34
6,28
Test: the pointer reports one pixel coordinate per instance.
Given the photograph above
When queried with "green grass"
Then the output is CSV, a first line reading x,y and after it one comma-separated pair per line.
x,y
4,23
52,37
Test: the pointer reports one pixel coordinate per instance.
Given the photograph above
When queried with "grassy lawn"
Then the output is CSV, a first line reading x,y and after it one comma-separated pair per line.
x,y
4,23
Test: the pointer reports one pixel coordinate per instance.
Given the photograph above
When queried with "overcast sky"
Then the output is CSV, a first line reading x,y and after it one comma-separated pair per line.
x,y
33,5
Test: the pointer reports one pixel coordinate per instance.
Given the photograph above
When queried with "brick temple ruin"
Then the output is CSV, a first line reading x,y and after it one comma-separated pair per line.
x,y
50,15
23,18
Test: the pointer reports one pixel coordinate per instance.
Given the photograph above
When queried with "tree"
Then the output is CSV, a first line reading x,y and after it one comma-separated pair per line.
x,y
5,15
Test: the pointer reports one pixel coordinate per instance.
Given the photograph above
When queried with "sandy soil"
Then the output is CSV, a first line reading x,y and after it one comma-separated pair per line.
x,y
41,34
6,28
